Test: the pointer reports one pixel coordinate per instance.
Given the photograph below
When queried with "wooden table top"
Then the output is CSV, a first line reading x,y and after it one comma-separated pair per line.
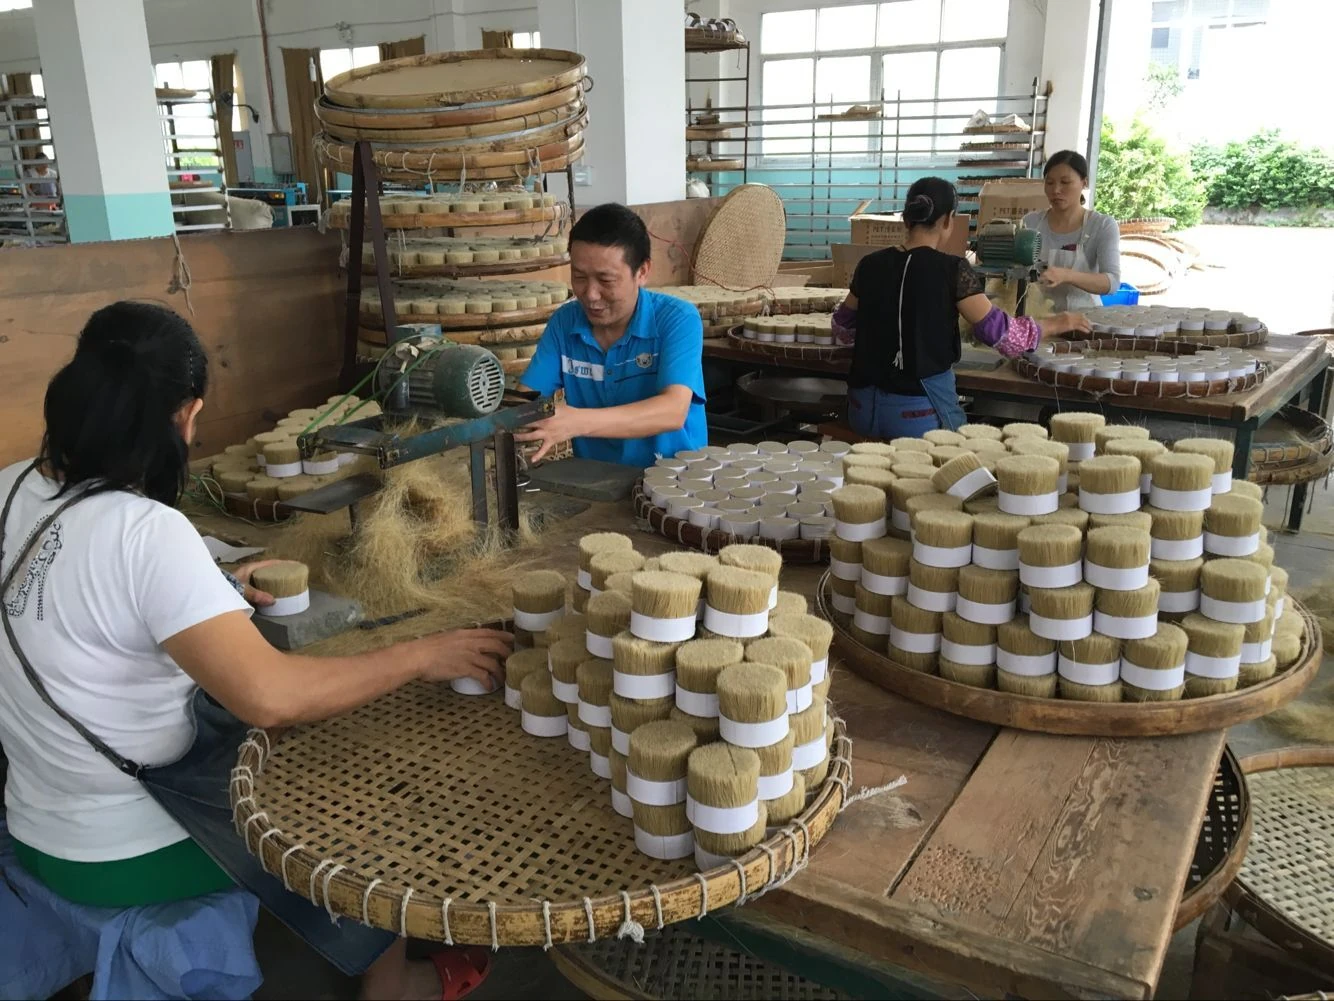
x,y
1294,359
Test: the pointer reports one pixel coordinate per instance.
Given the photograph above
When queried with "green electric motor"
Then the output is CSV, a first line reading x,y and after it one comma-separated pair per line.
x,y
1002,244
428,372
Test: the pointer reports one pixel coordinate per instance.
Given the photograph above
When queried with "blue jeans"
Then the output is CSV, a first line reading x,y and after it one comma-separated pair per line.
x,y
873,413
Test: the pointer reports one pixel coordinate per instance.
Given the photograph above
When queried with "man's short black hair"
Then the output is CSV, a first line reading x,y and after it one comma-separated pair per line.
x,y
614,225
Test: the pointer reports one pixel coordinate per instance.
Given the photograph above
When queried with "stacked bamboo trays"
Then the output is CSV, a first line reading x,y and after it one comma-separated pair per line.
x,y
440,213
458,256
1143,367
809,335
1217,328
773,494
912,626
251,479
490,114
721,309
490,834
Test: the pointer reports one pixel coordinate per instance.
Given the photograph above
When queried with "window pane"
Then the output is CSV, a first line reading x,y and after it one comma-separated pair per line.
x,y
365,55
168,75
791,31
537,39
909,22
843,79
787,81
909,75
197,75
845,27
969,73
1167,10
335,61
966,20
38,87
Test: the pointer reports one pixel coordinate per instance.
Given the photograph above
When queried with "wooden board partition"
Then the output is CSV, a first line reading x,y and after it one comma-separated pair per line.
x,y
266,306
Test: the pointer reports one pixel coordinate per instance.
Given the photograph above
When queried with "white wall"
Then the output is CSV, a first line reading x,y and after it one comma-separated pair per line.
x,y
1071,36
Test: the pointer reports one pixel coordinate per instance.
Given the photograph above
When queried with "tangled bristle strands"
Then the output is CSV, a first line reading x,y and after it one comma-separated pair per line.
x,y
1233,525
542,714
1089,669
963,476
1050,556
1025,661
1109,484
518,666
1213,655
1022,430
1154,669
1141,520
1111,432
1076,430
539,599
1027,484
996,539
1179,581
752,705
1233,590
664,606
1062,613
1117,559
793,658
606,615
1181,481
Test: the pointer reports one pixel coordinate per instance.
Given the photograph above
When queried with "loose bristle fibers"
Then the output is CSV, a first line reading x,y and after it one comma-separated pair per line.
x,y
1154,669
1025,661
1089,669
641,657
603,565
1111,432
1140,520
1213,655
659,752
981,432
789,603
1022,430
282,580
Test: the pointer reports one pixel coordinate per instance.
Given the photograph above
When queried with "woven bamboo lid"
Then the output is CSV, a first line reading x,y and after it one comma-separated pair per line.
x,y
741,244
453,78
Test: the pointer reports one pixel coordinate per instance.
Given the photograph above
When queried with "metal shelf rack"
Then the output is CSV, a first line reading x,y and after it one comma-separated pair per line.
x,y
183,144
28,214
706,46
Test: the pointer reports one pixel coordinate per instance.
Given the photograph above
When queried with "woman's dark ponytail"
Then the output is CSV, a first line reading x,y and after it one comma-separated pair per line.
x,y
110,413
929,199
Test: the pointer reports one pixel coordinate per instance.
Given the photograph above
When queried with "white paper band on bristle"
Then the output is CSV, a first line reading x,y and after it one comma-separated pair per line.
x,y
723,819
599,764
977,654
322,468
737,626
1222,482
1035,665
594,715
859,531
877,624
1278,606
578,739
1087,674
932,601
620,802
289,605
1231,545
664,846
584,579
597,645
1063,576
844,603
844,570
1029,504
471,686
1116,578
942,556
1061,629
972,482
1119,503
1126,627
1176,549
705,518
819,670
1204,666
752,734
995,559
282,470
773,599
1150,678
1257,653
914,642
1179,601
776,786
1243,612
663,630
880,584
643,686
544,726
799,699
535,622
701,704
620,740
1145,483
1180,500
513,698
900,520
984,613
810,754
1079,450
651,792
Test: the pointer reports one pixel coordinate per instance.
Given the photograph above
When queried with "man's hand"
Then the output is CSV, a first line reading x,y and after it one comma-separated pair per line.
x,y
465,653
566,423
256,597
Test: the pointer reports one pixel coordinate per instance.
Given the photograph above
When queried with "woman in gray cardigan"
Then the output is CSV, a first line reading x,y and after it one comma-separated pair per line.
x,y
1082,248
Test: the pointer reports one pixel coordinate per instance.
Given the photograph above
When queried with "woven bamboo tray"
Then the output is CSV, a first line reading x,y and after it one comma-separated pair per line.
x,y
675,963
1153,225
741,243
1133,387
774,350
453,117
710,133
468,270
435,816
467,321
1171,345
498,337
444,79
1225,833
394,165
1283,888
703,166
1304,453
1094,719
256,510
692,536
460,220
389,128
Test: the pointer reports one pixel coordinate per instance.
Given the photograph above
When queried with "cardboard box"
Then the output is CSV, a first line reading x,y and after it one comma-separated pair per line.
x,y
889,231
1010,199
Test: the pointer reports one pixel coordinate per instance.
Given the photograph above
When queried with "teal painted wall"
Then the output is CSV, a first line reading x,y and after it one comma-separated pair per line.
x,y
96,218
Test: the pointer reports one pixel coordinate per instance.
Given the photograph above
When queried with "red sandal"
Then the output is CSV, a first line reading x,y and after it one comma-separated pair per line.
x,y
462,970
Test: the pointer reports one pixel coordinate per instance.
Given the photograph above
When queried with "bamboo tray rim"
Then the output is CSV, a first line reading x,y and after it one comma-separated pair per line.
x,y
1069,716
466,321
686,534
464,270
1171,344
534,128
1138,388
1197,899
462,220
464,114
775,350
420,913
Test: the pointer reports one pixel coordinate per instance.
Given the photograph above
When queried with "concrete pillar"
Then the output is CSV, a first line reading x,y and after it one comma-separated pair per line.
x,y
635,148
1068,49
98,76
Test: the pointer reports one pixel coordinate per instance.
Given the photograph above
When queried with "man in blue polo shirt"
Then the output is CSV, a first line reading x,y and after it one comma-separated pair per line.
x,y
629,360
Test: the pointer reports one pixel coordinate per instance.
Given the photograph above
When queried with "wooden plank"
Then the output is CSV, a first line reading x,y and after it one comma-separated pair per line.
x,y
674,228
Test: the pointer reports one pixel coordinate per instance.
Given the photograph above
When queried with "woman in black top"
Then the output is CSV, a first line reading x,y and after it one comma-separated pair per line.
x,y
902,314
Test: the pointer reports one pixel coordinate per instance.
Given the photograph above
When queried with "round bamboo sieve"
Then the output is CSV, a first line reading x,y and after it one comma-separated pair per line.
x,y
1076,430
1025,661
1089,669
1213,655
1028,484
967,651
1154,669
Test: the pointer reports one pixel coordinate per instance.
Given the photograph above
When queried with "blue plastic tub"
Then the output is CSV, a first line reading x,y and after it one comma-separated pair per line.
x,y
1126,295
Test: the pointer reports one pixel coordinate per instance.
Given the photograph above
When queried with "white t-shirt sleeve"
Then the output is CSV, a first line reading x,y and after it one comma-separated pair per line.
x,y
173,579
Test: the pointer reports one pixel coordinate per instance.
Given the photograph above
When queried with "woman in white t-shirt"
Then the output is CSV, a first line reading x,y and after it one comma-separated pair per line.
x,y
116,617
